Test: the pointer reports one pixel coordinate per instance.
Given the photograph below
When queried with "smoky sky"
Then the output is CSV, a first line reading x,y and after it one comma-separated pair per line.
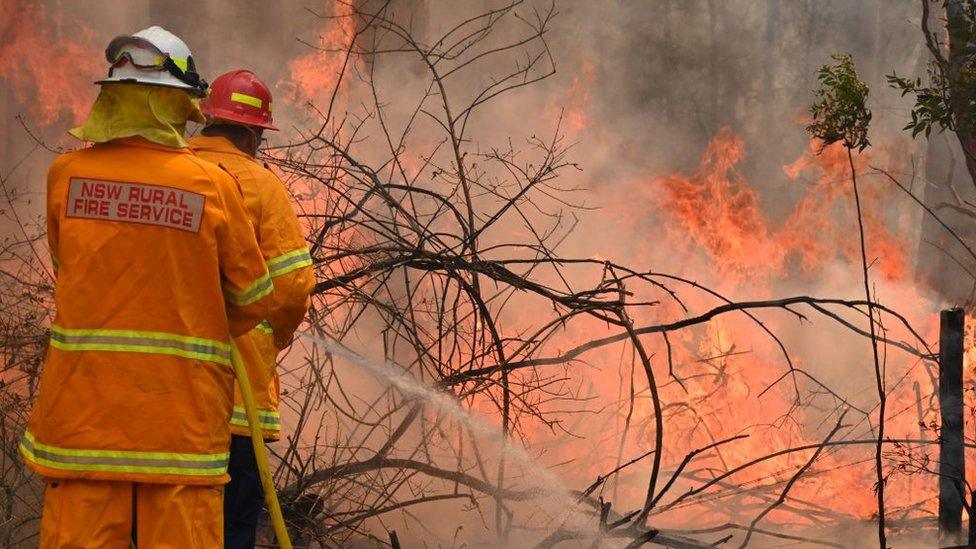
x,y
671,73
668,73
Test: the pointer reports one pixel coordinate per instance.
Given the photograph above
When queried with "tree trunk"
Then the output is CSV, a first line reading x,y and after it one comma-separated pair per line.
x,y
959,27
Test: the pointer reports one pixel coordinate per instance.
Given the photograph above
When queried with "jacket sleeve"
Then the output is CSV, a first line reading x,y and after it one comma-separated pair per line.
x,y
289,263
247,286
55,207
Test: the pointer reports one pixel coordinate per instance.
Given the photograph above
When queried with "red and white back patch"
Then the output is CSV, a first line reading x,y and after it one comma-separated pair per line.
x,y
135,203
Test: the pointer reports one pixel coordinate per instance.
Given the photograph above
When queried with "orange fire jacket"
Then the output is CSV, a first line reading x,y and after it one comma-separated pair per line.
x,y
284,247
157,265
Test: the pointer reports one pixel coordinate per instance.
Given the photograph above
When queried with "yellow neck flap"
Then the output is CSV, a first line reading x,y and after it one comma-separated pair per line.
x,y
156,113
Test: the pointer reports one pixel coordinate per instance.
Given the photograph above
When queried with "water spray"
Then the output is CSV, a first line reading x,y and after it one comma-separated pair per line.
x,y
548,484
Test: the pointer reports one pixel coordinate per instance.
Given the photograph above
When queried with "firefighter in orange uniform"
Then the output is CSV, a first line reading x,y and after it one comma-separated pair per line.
x,y
239,110
157,267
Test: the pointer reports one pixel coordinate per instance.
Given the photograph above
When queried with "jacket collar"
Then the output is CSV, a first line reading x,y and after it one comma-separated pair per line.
x,y
143,143
216,143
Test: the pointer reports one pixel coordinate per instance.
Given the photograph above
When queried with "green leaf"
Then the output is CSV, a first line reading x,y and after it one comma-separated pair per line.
x,y
840,113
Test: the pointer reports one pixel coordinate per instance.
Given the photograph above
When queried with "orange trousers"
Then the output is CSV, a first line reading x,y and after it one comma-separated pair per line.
x,y
87,514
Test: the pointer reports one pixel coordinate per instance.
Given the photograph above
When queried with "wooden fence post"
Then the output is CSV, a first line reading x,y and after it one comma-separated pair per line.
x,y
952,457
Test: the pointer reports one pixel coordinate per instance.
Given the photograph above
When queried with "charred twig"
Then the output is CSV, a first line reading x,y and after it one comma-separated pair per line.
x,y
792,481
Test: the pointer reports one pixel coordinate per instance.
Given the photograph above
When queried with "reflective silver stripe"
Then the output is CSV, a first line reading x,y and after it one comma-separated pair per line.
x,y
288,262
269,420
258,289
134,341
123,461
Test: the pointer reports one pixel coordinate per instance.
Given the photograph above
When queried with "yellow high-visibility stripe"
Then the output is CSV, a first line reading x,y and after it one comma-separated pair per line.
x,y
165,463
270,420
255,291
286,263
264,327
180,62
135,341
238,97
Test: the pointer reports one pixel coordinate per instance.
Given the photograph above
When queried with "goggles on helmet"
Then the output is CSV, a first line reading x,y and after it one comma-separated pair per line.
x,y
185,71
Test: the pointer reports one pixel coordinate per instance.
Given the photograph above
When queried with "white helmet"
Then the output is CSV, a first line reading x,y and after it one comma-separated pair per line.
x,y
153,56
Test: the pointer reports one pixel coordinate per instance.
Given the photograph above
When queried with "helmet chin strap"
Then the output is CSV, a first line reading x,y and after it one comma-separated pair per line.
x,y
189,76
255,140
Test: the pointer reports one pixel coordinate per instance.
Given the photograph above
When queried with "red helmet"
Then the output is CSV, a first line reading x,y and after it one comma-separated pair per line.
x,y
240,97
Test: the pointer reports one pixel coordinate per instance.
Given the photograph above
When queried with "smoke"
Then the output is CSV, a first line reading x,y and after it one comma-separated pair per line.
x,y
547,490
687,119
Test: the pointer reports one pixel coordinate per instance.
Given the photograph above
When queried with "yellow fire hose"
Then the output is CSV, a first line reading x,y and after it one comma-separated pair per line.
x,y
260,452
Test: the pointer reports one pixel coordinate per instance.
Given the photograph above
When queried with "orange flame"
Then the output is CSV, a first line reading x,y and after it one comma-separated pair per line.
x,y
717,232
574,101
722,214
315,75
48,73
